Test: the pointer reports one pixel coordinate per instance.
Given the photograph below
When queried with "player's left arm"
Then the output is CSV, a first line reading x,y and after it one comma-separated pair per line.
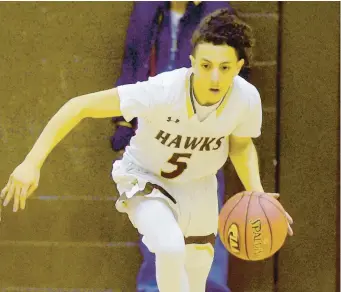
x,y
242,151
243,155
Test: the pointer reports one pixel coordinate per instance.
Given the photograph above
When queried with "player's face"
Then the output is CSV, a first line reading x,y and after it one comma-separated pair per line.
x,y
214,68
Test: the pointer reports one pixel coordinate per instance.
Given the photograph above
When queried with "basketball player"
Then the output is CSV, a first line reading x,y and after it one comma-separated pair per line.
x,y
191,120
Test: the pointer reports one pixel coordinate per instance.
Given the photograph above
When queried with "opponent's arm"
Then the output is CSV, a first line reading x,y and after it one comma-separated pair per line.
x,y
103,104
244,158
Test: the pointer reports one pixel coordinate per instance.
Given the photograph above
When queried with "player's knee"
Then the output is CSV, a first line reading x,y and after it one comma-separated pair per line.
x,y
199,255
171,246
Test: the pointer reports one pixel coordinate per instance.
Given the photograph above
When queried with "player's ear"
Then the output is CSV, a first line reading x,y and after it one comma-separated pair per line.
x,y
192,60
240,65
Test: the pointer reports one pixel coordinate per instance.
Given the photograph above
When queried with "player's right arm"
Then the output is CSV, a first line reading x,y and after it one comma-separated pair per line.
x,y
24,179
134,100
103,104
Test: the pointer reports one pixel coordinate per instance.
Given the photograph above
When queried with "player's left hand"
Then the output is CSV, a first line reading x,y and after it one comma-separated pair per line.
x,y
289,219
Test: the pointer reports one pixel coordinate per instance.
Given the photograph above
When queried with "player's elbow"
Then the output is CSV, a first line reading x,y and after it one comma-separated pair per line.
x,y
102,104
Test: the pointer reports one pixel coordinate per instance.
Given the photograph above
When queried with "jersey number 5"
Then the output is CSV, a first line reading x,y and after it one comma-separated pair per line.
x,y
180,166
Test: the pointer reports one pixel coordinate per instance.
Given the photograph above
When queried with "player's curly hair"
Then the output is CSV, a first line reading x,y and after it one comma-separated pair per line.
x,y
225,27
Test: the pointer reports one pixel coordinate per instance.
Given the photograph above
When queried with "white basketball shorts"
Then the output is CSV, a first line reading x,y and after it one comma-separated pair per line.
x,y
194,203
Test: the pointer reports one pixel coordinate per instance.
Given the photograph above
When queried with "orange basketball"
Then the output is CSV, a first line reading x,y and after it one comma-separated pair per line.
x,y
252,226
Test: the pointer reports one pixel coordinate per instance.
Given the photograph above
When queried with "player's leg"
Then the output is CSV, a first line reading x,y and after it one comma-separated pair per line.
x,y
154,219
217,278
199,259
200,230
146,279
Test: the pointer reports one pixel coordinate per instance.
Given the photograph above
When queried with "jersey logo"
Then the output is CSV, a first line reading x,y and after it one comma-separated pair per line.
x,y
191,143
170,120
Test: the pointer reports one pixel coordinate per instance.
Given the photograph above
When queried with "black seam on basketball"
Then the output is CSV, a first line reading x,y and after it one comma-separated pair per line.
x,y
224,234
278,208
247,211
260,204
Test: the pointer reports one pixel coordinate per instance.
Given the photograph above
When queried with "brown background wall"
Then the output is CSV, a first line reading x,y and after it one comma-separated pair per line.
x,y
309,143
305,105
52,52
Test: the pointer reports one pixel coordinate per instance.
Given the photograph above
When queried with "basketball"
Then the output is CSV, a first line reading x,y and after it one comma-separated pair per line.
x,y
252,226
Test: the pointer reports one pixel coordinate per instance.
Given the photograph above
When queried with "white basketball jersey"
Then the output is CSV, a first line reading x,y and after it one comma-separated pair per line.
x,y
171,141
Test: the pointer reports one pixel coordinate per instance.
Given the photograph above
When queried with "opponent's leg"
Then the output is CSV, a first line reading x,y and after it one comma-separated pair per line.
x,y
199,259
154,219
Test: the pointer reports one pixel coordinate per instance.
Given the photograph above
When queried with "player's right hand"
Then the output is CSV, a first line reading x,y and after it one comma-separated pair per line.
x,y
22,183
